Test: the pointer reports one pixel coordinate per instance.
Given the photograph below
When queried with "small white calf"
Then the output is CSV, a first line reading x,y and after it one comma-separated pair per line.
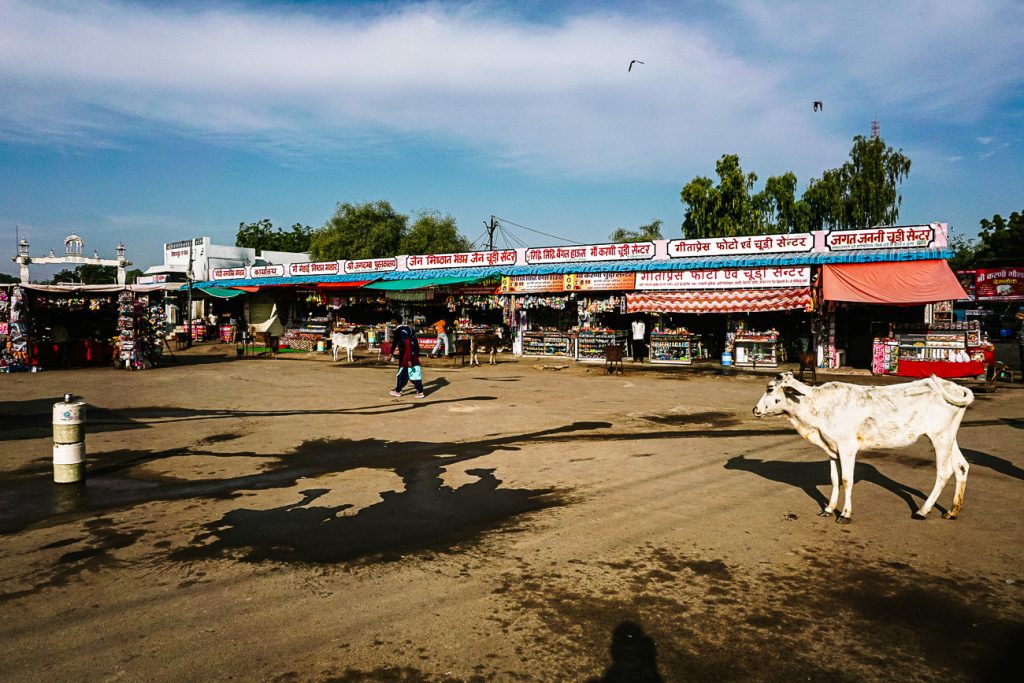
x,y
348,342
843,419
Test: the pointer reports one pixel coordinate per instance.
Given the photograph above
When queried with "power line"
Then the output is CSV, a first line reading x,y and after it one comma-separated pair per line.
x,y
509,235
563,239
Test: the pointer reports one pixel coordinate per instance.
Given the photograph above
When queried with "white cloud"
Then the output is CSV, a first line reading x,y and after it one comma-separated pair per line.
x,y
985,140
555,99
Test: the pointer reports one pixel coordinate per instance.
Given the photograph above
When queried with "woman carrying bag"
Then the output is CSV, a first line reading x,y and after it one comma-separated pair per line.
x,y
406,350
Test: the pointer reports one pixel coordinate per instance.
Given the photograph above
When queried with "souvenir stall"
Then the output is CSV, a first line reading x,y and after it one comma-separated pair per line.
x,y
544,323
309,324
51,326
736,311
933,345
13,330
945,349
602,324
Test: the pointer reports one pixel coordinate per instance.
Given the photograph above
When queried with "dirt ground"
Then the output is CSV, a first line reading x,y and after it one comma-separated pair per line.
x,y
287,520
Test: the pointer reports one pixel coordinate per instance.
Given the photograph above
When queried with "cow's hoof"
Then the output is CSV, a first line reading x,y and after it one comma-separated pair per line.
x,y
946,515
825,513
919,516
843,520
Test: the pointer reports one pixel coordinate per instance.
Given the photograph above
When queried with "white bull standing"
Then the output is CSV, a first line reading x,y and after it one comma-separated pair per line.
x,y
348,342
842,419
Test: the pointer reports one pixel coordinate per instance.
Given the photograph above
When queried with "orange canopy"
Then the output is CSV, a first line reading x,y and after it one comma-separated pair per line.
x,y
891,282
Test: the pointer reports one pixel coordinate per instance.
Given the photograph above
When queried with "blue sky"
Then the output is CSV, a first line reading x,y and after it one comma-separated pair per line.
x,y
150,122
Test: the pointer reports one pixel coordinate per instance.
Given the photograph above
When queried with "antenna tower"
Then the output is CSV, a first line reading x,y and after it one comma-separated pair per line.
x,y
875,128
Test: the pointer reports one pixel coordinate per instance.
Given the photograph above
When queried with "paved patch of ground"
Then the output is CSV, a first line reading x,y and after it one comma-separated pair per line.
x,y
287,520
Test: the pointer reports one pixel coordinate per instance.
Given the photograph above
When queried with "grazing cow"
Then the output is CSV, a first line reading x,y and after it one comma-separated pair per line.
x,y
613,359
842,419
488,343
809,361
348,342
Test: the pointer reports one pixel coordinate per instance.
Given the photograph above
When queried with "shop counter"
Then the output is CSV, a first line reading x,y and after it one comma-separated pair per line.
x,y
549,344
673,348
926,368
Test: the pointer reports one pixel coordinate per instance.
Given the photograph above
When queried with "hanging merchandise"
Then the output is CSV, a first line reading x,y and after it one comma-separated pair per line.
x,y
14,354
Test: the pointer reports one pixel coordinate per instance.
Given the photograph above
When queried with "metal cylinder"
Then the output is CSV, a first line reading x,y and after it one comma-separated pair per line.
x,y
68,440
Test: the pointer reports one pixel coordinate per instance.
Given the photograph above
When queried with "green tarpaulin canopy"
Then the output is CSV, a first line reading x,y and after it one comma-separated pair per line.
x,y
399,285
221,292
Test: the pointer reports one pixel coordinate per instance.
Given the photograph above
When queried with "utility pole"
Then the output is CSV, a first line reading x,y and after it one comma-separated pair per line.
x,y
491,227
188,311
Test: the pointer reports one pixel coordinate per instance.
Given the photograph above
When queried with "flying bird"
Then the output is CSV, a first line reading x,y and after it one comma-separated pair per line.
x,y
635,61
817,105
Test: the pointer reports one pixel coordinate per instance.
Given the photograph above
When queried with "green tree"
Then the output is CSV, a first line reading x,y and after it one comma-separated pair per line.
x,y
645,233
88,274
358,231
1001,238
729,209
965,253
263,236
9,279
863,192
433,233
132,275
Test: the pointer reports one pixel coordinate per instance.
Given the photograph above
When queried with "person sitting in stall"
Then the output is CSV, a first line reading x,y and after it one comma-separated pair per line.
x,y
442,339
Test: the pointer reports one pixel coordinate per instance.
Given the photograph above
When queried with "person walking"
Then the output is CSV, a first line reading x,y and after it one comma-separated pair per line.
x,y
406,350
442,339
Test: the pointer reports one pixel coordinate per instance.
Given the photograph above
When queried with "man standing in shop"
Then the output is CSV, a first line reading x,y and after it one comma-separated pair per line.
x,y
442,339
639,343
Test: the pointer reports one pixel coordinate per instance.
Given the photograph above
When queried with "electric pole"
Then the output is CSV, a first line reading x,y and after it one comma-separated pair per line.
x,y
491,227
188,313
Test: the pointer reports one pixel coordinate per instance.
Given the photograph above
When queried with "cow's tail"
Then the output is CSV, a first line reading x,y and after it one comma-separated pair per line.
x,y
953,393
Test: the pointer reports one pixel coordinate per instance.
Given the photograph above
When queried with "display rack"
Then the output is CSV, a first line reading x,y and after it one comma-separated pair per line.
x,y
754,349
933,346
671,348
591,344
540,344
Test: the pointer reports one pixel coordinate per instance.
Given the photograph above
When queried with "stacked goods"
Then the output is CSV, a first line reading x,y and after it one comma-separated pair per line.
x,y
125,328
14,353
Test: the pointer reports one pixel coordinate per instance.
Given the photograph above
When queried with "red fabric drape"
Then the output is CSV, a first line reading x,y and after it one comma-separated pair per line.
x,y
893,282
343,285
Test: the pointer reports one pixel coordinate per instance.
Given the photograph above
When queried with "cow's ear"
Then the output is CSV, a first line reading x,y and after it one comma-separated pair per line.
x,y
792,394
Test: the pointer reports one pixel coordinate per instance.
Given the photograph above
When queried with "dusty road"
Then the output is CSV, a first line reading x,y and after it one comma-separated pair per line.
x,y
283,520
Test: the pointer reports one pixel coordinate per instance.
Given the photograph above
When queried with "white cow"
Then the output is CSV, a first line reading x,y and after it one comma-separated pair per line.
x,y
348,342
842,419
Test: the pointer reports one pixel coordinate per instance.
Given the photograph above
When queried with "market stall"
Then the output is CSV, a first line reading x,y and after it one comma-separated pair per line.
x,y
55,326
951,350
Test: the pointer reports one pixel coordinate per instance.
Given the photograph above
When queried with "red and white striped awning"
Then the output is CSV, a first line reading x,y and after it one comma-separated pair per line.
x,y
720,301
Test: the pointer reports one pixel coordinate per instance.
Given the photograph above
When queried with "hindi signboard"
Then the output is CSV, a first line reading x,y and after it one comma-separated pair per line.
x,y
725,278
999,284
227,274
314,268
467,259
266,271
903,237
525,284
370,265
591,253
580,282
750,244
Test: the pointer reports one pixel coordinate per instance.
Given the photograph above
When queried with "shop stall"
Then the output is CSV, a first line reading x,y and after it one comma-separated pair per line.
x,y
755,349
946,349
672,346
54,326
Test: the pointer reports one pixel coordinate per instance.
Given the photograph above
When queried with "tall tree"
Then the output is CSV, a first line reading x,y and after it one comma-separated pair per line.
x,y
261,235
357,231
433,233
8,279
1001,238
645,233
863,192
729,208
